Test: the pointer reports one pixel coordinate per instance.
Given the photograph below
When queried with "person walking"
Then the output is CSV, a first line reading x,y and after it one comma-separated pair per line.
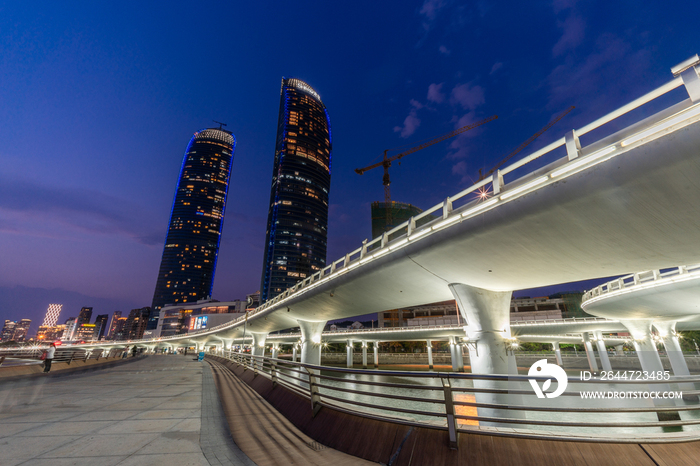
x,y
125,353
50,353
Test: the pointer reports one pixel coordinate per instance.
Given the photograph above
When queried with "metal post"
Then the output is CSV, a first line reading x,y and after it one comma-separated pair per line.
x,y
364,355
450,413
314,392
273,373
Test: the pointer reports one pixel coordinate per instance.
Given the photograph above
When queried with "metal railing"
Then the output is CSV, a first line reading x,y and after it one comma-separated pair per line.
x,y
642,280
65,354
455,402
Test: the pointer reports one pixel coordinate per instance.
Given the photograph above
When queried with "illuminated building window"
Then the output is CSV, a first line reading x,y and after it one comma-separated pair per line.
x,y
301,172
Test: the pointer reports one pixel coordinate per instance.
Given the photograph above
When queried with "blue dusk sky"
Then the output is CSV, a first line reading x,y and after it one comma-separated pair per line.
x,y
99,101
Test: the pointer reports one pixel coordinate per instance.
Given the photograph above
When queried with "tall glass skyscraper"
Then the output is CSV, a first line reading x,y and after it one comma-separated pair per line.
x,y
196,221
297,220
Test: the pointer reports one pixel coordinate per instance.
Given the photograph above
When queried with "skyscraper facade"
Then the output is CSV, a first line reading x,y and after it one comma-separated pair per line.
x,y
192,245
85,315
297,221
113,324
8,330
22,329
101,324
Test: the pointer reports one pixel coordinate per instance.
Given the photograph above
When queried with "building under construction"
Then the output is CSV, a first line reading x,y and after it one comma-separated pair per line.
x,y
400,212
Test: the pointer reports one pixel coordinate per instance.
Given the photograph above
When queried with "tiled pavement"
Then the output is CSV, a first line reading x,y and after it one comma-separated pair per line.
x,y
149,412
216,442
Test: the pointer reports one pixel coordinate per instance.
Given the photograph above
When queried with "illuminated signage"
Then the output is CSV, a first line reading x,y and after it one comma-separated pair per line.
x,y
199,322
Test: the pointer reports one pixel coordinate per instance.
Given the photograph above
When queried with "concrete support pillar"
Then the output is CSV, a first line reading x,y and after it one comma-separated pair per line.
x,y
275,350
590,354
650,361
364,355
453,356
294,353
258,346
644,344
349,353
429,346
486,314
619,350
311,341
557,353
487,317
376,354
456,355
602,351
667,332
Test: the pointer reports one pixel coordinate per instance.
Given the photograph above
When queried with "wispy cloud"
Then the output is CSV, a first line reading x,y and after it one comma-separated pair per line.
x,y
430,10
611,70
444,50
24,201
573,29
435,93
411,122
469,98
561,5
496,66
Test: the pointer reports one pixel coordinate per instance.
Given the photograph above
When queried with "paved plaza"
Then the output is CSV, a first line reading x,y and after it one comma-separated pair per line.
x,y
159,410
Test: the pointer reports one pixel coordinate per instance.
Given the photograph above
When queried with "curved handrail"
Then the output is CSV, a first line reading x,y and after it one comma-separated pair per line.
x,y
641,280
383,400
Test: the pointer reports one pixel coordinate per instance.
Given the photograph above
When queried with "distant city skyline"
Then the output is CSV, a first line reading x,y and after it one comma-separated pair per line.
x,y
98,104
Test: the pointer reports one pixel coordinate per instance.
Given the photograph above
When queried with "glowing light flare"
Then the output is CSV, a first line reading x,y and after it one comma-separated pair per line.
x,y
483,193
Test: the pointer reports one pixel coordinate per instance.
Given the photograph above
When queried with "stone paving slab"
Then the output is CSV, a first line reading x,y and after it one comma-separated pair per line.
x,y
148,412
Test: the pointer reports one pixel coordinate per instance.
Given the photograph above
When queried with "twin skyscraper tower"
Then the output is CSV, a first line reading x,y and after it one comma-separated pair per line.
x,y
297,220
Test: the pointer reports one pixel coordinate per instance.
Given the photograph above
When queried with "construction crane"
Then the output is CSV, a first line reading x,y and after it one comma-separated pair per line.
x,y
526,143
386,161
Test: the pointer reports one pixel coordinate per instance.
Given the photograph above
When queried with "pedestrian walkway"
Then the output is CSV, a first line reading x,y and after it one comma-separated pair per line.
x,y
149,412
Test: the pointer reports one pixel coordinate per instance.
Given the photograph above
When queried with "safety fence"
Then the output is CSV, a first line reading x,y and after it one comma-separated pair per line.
x,y
503,405
67,354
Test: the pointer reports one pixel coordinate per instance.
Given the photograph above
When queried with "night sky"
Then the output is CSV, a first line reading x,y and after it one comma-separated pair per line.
x,y
98,103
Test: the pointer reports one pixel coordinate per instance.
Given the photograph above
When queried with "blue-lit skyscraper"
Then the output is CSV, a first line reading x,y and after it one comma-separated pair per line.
x,y
196,221
297,221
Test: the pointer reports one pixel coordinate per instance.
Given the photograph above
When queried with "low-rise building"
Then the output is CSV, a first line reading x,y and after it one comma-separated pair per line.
x,y
180,319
